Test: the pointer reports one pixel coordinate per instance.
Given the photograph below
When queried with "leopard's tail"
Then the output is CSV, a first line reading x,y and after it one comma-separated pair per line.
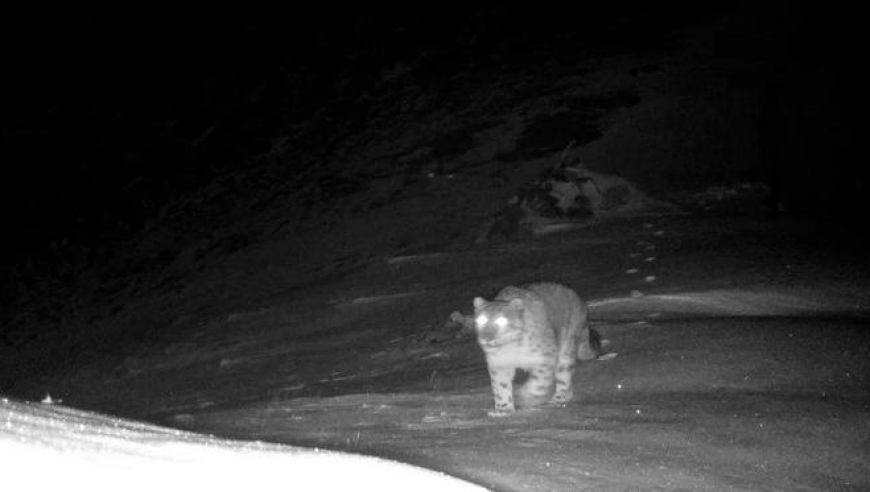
x,y
594,348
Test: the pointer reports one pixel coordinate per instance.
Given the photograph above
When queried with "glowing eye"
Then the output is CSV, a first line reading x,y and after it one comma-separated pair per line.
x,y
481,320
501,322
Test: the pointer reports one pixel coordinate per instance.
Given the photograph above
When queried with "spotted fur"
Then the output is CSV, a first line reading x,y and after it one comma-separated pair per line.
x,y
537,331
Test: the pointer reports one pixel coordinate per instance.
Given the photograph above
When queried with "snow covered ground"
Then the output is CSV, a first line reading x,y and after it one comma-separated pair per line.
x,y
46,446
743,355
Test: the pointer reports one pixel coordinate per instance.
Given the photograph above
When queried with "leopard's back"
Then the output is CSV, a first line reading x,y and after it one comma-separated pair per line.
x,y
562,303
553,309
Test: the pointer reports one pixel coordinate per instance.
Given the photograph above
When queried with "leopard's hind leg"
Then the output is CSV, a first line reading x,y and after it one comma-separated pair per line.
x,y
538,387
565,362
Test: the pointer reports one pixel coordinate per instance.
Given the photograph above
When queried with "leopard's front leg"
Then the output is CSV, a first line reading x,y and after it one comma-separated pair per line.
x,y
502,391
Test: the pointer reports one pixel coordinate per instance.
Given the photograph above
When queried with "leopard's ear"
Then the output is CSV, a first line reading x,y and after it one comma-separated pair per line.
x,y
516,303
479,302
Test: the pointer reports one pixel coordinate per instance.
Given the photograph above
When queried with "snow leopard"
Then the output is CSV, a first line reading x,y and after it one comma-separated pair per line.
x,y
536,331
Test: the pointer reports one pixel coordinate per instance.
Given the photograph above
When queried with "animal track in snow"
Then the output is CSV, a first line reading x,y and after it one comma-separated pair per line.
x,y
645,247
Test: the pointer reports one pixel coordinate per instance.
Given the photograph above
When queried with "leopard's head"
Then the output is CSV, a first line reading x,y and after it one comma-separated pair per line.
x,y
498,323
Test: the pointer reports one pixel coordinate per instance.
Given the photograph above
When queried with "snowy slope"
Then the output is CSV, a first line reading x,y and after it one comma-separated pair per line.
x,y
48,447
